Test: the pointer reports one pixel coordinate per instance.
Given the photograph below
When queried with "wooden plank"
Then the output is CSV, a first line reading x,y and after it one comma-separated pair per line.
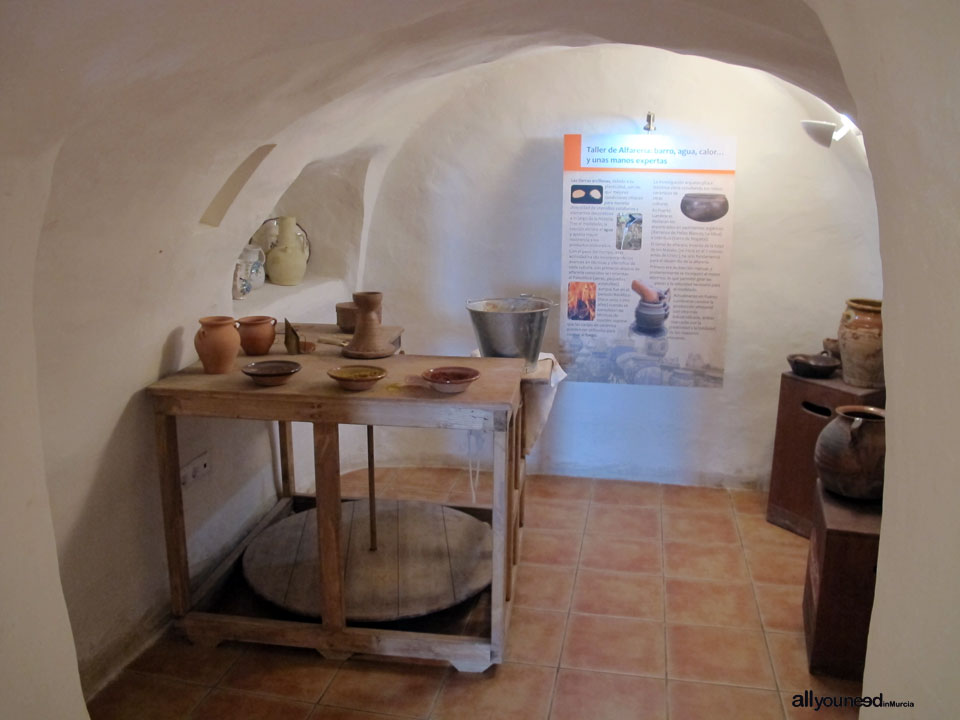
x,y
219,575
268,563
371,489
174,529
287,474
470,546
468,651
371,575
303,593
326,449
423,558
498,597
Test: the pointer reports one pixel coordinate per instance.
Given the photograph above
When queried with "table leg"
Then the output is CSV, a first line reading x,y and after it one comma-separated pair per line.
x,y
371,489
326,450
287,482
498,590
168,456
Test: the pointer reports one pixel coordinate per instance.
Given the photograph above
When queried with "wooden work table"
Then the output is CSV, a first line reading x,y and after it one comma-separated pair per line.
x,y
492,404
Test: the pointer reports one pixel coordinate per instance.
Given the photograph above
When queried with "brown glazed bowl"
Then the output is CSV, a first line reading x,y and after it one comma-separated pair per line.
x,y
357,377
271,372
813,366
450,378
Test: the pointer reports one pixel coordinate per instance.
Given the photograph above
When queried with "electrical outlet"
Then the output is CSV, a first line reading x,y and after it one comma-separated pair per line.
x,y
196,469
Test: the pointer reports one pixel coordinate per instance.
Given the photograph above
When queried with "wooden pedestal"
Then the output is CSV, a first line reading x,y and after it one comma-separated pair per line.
x,y
806,406
841,576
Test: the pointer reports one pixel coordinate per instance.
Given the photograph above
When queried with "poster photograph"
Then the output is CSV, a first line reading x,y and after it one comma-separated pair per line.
x,y
647,236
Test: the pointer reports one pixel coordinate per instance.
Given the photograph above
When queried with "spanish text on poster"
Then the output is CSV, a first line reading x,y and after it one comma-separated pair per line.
x,y
647,235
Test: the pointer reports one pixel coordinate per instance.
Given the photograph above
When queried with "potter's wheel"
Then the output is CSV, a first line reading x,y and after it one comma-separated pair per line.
x,y
428,558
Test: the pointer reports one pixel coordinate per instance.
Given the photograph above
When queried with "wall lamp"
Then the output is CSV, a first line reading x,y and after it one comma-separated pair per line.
x,y
824,133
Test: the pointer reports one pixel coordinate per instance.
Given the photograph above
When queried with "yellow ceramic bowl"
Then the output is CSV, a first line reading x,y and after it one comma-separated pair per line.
x,y
357,377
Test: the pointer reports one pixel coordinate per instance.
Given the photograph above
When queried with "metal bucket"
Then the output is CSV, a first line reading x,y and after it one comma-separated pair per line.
x,y
511,327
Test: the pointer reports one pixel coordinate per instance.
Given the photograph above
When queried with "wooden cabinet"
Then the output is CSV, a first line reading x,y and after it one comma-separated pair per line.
x,y
806,406
840,582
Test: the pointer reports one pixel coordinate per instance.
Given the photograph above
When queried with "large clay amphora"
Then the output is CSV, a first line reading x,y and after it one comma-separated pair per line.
x,y
287,262
850,451
861,343
257,334
217,343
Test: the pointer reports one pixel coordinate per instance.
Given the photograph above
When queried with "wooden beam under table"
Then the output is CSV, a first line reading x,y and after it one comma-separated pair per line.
x,y
171,496
469,654
326,451
288,481
498,588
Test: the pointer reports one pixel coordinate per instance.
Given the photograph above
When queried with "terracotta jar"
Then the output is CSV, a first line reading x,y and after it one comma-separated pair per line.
x,y
217,343
861,343
850,451
287,262
257,333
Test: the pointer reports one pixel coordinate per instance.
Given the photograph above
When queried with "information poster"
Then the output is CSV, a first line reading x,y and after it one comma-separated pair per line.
x,y
647,235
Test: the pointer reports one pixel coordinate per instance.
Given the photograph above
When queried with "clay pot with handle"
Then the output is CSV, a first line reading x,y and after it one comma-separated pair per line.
x,y
217,343
850,452
257,333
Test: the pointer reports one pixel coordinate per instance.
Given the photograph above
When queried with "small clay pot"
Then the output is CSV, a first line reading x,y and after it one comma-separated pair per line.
x,y
861,343
217,343
257,333
832,347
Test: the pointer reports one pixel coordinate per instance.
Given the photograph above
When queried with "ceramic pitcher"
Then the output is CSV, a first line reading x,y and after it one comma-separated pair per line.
x,y
287,262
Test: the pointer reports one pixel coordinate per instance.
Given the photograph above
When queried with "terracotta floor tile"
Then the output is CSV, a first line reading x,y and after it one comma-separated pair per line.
x,y
685,497
234,705
626,492
555,487
385,687
333,713
699,526
550,547
554,515
604,696
824,713
777,566
506,692
699,701
724,655
427,484
460,493
704,562
640,523
135,696
544,587
611,552
354,483
711,602
789,654
601,592
749,502
177,657
781,607
757,533
620,645
294,673
535,636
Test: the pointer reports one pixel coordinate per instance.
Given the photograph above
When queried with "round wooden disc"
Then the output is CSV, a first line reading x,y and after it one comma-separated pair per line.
x,y
429,557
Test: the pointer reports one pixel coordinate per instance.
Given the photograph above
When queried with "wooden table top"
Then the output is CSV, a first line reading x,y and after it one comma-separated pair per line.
x,y
312,396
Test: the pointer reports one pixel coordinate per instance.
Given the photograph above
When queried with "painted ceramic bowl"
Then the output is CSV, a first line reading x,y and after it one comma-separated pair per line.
x,y
357,377
704,207
450,378
271,372
813,366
